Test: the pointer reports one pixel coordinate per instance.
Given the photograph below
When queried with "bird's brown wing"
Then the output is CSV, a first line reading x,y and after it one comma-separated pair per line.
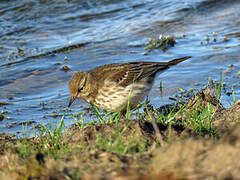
x,y
134,71
127,73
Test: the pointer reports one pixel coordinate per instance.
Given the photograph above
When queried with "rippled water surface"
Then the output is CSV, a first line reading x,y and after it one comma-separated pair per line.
x,y
38,38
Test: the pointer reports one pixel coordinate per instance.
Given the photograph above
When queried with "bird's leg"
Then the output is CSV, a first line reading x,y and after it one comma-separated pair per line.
x,y
147,101
123,113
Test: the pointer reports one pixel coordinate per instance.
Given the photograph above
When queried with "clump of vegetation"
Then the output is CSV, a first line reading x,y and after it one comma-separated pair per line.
x,y
162,42
21,52
213,37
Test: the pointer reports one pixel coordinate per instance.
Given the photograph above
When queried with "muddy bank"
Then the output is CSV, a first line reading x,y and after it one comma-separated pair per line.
x,y
135,149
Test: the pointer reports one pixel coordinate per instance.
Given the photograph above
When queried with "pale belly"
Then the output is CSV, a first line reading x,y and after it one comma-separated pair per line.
x,y
114,98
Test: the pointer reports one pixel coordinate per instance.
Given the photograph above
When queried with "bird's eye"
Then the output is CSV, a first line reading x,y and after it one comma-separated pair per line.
x,y
80,89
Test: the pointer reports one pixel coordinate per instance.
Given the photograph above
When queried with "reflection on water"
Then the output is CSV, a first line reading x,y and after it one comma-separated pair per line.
x,y
37,38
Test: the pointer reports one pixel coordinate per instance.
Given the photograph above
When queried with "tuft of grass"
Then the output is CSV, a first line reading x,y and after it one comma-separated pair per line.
x,y
233,95
79,119
162,42
200,119
47,140
220,87
117,145
50,139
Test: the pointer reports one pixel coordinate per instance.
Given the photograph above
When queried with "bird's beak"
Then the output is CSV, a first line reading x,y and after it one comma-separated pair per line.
x,y
71,100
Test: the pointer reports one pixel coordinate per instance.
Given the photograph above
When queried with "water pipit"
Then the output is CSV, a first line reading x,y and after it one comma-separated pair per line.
x,y
113,86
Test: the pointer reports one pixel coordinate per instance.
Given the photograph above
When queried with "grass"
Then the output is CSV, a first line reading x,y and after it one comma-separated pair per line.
x,y
46,140
233,95
200,119
117,145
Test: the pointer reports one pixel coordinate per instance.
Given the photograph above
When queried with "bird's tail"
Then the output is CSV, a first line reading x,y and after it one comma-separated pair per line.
x,y
176,61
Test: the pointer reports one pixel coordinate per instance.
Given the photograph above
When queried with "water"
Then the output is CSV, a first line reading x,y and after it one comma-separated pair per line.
x,y
37,38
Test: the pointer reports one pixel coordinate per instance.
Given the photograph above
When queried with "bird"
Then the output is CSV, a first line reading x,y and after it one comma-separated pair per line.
x,y
113,87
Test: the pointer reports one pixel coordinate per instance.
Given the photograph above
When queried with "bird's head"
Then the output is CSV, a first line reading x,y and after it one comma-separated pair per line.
x,y
77,86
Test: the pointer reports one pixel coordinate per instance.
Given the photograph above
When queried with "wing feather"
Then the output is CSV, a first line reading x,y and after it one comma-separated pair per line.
x,y
126,73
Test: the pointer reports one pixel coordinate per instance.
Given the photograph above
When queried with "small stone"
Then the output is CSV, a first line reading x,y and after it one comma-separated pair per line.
x,y
1,117
65,68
